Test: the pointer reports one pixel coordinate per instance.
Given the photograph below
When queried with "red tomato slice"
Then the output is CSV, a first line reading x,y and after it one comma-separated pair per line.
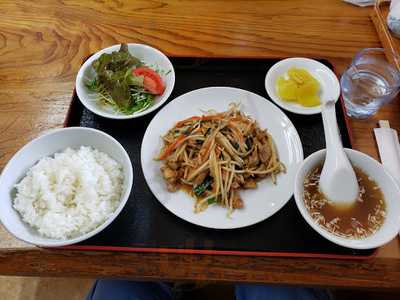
x,y
152,81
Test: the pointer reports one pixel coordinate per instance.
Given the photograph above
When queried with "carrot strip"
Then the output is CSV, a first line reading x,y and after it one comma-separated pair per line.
x,y
172,147
183,122
213,117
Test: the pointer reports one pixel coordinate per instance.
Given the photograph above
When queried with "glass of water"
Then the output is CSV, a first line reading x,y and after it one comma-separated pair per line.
x,y
368,83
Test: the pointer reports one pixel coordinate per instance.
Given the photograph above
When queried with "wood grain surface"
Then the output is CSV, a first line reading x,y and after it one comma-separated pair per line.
x,y
389,42
169,267
42,44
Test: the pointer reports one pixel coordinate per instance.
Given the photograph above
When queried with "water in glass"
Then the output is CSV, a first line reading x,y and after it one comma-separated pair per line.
x,y
368,83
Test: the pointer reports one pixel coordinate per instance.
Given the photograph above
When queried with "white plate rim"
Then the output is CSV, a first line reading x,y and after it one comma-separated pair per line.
x,y
297,148
295,108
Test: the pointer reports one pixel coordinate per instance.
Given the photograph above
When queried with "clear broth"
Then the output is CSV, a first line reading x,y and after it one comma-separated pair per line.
x,y
357,221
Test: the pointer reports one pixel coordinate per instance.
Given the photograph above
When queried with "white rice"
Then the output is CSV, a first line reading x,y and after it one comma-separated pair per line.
x,y
71,193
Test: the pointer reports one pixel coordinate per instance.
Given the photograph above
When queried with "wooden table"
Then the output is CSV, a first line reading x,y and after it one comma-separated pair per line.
x,y
42,44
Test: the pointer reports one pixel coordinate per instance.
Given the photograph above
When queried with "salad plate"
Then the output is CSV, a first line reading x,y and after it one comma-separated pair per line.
x,y
144,75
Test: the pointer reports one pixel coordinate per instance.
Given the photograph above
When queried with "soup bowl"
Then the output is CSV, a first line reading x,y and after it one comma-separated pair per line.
x,y
389,187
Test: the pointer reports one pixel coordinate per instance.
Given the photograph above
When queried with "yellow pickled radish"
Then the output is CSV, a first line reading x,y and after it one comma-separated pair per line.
x,y
300,87
309,101
301,76
309,88
286,89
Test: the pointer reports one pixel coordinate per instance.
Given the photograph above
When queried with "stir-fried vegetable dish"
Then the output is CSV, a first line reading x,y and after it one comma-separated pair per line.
x,y
215,155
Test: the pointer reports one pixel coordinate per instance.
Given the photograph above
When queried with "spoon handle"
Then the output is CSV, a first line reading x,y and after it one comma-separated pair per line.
x,y
338,180
331,129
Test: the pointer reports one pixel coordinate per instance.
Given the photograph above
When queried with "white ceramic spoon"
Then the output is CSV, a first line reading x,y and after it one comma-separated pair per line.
x,y
338,180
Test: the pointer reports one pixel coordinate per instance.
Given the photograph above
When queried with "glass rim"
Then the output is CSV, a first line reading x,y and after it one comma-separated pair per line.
x,y
381,50
365,50
361,52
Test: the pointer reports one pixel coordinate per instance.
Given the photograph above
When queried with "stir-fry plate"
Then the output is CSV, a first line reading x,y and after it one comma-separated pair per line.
x,y
259,203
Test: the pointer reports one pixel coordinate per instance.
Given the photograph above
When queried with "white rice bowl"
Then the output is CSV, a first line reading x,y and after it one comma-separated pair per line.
x,y
71,193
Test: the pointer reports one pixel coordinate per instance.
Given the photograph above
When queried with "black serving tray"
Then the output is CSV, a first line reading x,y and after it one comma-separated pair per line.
x,y
145,225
